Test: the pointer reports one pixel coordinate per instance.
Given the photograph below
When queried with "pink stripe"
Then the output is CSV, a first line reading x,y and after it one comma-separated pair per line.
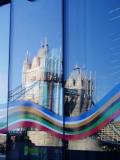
x,y
65,137
3,131
93,131
34,125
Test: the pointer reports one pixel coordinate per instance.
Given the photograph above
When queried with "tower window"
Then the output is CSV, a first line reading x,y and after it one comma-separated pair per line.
x,y
74,82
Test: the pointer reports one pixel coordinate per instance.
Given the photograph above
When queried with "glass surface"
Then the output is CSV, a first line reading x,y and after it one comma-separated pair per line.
x,y
35,94
34,100
91,72
4,59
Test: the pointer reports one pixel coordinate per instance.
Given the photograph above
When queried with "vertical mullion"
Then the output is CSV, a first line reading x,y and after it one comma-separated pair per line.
x,y
63,77
8,85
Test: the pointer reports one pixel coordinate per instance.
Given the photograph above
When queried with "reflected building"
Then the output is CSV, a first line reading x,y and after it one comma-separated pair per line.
x,y
78,92
79,95
42,78
42,84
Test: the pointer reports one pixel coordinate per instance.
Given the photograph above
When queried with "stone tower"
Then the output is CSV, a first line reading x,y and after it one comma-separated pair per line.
x,y
42,78
78,99
79,92
42,81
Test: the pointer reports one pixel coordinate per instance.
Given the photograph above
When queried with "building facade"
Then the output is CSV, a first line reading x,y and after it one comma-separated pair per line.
x,y
42,79
42,84
78,92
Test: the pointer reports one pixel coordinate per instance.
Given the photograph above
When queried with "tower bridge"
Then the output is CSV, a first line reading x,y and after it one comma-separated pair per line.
x,y
42,84
108,136
19,91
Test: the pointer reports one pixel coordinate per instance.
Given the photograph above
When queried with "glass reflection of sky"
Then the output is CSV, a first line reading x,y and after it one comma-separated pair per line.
x,y
4,50
38,20
92,33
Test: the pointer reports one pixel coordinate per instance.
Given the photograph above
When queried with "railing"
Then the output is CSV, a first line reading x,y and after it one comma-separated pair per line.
x,y
19,91
112,126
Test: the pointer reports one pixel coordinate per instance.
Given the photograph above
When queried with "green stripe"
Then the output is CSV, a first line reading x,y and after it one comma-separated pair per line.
x,y
97,123
3,124
102,119
33,117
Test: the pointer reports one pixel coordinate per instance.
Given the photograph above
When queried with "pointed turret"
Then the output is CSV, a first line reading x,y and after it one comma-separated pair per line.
x,y
76,68
42,43
46,42
43,48
27,60
26,66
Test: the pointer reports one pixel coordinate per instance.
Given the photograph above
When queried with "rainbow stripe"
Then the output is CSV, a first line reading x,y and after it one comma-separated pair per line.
x,y
28,114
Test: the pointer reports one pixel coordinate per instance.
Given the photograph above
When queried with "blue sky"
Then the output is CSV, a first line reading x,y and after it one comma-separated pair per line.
x,y
91,30
4,45
31,22
89,41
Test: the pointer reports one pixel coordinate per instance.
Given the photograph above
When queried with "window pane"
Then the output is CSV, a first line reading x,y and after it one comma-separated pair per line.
x,y
91,72
35,96
4,58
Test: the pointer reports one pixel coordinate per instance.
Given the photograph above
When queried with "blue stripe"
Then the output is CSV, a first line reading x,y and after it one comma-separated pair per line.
x,y
38,107
24,103
105,99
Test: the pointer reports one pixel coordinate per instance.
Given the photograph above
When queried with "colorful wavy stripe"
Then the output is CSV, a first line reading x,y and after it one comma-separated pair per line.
x,y
28,114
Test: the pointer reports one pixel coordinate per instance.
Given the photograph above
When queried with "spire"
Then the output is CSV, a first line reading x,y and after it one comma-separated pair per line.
x,y
27,57
46,44
41,43
45,41
76,68
90,75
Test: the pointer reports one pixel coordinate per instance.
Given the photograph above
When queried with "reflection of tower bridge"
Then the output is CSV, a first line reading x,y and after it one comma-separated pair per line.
x,y
41,79
111,133
80,88
18,92
42,84
108,136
